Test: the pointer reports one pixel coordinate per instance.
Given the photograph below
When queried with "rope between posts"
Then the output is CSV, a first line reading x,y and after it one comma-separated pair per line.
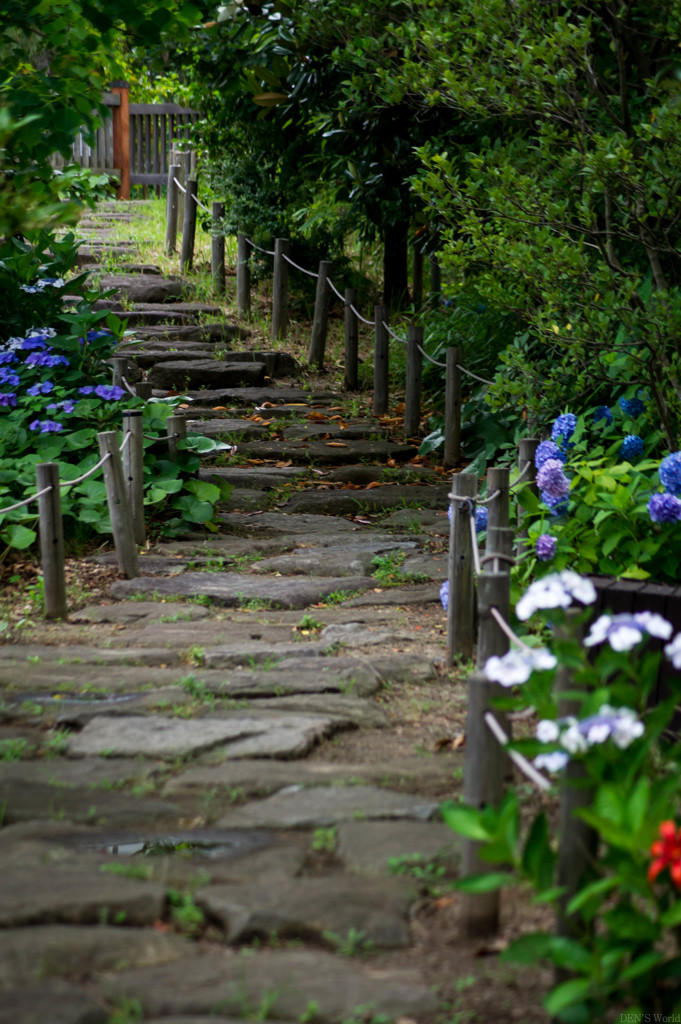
x,y
79,479
469,373
492,496
195,198
126,440
369,323
430,358
505,628
310,273
519,480
522,763
131,391
336,292
392,333
268,252
26,501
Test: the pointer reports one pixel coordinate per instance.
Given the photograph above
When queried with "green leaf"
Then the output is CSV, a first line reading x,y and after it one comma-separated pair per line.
x,y
672,916
203,490
487,882
17,536
193,510
568,994
641,965
432,442
599,888
464,820
80,438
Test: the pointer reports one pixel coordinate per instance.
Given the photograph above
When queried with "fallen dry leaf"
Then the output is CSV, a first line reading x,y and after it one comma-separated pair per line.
x,y
283,465
492,948
374,483
219,408
336,444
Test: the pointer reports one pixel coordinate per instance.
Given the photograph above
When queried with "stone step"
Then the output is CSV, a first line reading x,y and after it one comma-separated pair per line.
x,y
146,287
180,374
164,337
328,453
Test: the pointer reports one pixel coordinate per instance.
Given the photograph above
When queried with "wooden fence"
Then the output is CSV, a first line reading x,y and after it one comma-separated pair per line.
x,y
99,157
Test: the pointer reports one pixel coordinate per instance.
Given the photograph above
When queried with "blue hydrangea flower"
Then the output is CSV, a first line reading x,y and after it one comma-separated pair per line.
x,y
556,506
42,388
670,473
481,518
547,450
46,426
664,508
444,595
7,377
30,288
564,427
7,357
632,407
545,547
631,447
552,480
34,345
110,392
68,405
8,399
602,412
43,359
88,389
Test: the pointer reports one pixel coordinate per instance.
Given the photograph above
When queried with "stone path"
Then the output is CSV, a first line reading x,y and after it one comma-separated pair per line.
x,y
186,834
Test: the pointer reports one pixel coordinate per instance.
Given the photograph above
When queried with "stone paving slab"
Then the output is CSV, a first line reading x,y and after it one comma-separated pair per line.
x,y
273,524
342,709
128,612
313,909
276,394
421,593
230,590
246,429
325,806
366,847
291,980
340,560
90,774
32,654
144,287
55,1001
28,955
375,499
167,336
256,478
32,801
329,453
251,734
174,374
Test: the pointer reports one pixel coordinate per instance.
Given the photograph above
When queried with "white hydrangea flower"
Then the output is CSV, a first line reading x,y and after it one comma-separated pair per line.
x,y
553,762
555,591
673,651
579,587
516,667
624,631
572,739
655,624
547,731
626,728
598,733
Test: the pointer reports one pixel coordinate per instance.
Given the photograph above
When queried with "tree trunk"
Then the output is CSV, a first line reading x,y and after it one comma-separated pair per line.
x,y
395,272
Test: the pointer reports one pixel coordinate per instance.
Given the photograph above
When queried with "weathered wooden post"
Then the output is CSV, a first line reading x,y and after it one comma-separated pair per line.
x,y
133,469
497,507
143,389
351,341
461,610
243,277
452,455
381,360
417,279
320,323
484,757
51,541
120,368
181,159
176,428
527,449
119,506
280,290
172,208
217,249
189,228
500,541
412,398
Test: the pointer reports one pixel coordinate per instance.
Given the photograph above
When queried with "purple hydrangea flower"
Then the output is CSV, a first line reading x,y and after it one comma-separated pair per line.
x,y
564,427
93,335
7,377
444,595
547,450
7,357
556,506
632,407
43,359
545,547
481,518
670,473
624,631
631,447
87,390
109,392
46,426
8,399
552,480
602,412
43,388
68,405
664,508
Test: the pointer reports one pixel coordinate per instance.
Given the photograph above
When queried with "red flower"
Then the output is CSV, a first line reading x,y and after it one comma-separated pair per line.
x,y
667,853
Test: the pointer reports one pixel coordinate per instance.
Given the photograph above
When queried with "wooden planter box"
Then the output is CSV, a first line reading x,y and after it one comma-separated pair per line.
x,y
626,596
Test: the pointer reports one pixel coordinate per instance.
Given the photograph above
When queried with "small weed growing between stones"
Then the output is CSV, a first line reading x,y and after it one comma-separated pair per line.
x,y
366,1015
324,840
140,871
355,943
184,913
309,624
128,1011
13,750
388,573
428,872
253,604
196,688
194,655
56,744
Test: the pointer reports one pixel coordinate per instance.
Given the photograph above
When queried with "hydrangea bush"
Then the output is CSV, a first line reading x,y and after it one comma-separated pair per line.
x,y
624,949
605,505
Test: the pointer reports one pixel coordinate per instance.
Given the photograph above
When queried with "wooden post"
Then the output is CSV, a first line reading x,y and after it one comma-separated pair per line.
x,y
51,541
144,389
412,399
243,277
417,279
351,341
120,368
280,290
119,506
484,757
133,469
435,282
121,137
497,509
217,249
189,228
176,427
500,541
461,610
172,209
321,315
381,360
452,455
181,160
